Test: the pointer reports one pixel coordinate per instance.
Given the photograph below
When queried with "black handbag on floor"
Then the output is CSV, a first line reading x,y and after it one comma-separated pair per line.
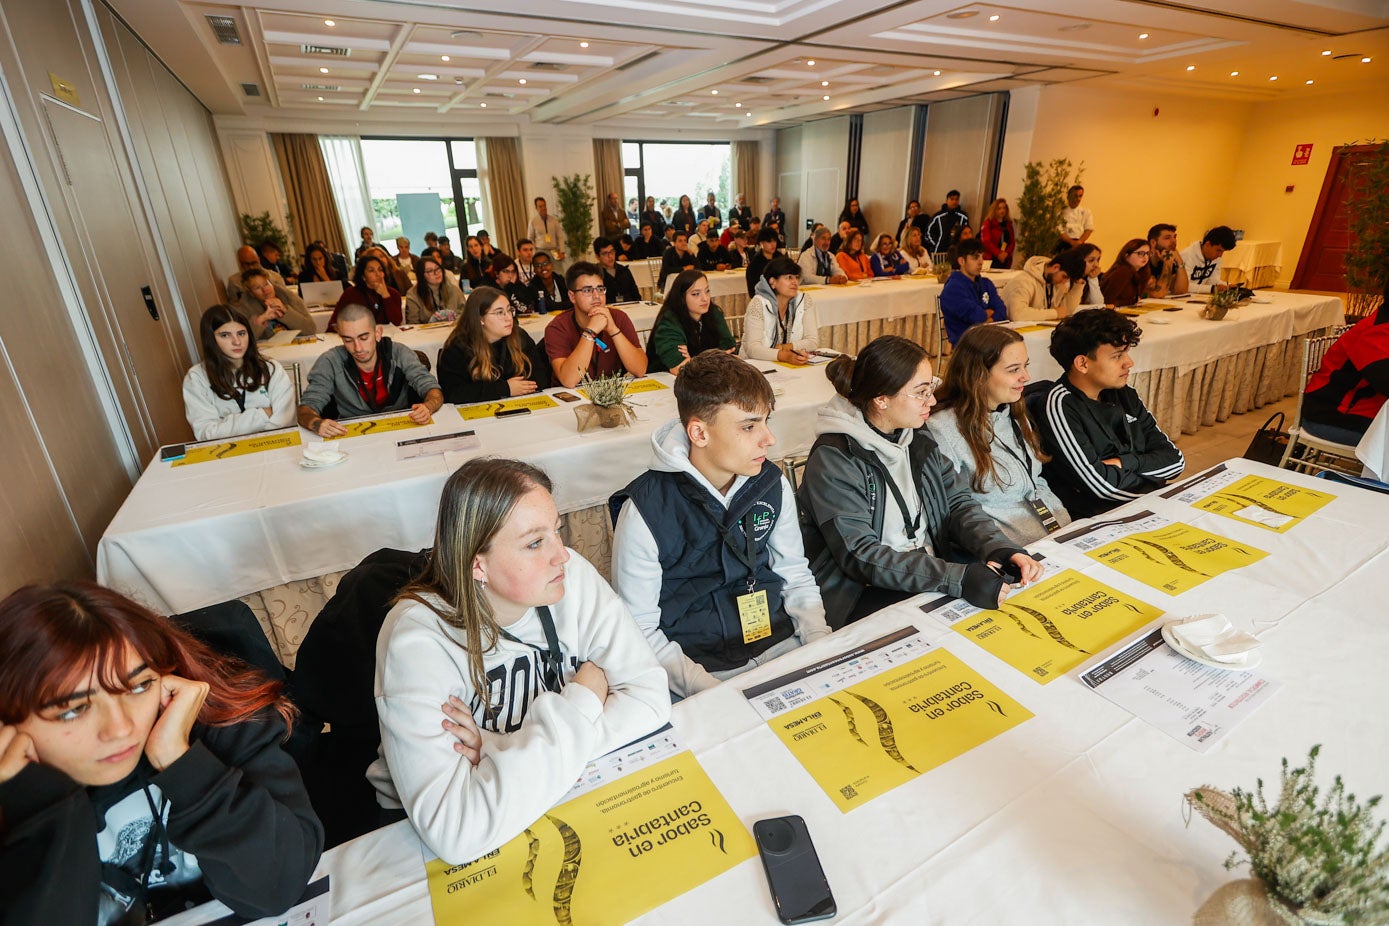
x,y
1269,442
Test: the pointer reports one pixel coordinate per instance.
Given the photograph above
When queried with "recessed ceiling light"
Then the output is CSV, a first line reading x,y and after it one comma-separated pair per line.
x,y
583,44
824,83
810,63
1310,82
320,99
962,14
483,105
1274,77
1365,60
522,80
1234,73
1191,67
417,89
935,73
429,76
443,57
994,18
323,70
329,22
714,92
1142,35
826,98
737,105
1326,53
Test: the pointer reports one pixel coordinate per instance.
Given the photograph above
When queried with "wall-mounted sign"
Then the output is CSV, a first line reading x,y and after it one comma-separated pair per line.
x,y
1302,154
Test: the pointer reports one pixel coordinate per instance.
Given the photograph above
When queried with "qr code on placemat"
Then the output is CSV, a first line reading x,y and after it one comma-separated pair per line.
x,y
775,705
848,792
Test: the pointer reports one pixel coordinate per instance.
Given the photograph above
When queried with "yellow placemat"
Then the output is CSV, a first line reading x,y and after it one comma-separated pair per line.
x,y
1026,328
637,387
605,857
1175,558
867,739
375,426
1270,504
1051,627
490,409
239,447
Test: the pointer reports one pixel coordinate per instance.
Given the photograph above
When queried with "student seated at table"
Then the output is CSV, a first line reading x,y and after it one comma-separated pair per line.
x,y
234,390
504,274
621,285
735,253
1105,446
1169,276
488,356
396,276
677,259
711,519
688,324
369,374
1350,387
817,262
914,253
1043,289
780,322
711,255
648,244
968,297
370,289
319,267
852,261
474,264
1088,293
768,249
591,338
887,261
247,259
548,293
884,514
1202,260
433,298
981,425
503,669
1126,280
140,771
271,307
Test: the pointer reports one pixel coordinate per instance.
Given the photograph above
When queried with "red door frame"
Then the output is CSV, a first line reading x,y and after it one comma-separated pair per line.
x,y
1310,240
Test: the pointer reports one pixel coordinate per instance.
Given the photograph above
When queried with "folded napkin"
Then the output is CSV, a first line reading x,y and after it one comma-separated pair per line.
x,y
1215,638
322,453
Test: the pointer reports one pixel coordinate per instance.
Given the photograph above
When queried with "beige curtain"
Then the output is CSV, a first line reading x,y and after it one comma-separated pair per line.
x,y
745,172
313,212
499,174
607,174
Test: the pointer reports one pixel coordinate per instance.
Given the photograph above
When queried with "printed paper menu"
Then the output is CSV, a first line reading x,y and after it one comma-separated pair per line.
x,y
1166,555
1267,503
1196,704
878,716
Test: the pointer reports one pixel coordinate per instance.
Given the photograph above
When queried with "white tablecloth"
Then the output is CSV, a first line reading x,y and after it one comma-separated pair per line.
x,y
1075,816
1253,263
194,535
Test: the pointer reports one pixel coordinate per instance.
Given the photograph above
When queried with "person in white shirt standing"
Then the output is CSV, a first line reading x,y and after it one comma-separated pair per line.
x,y
546,233
1077,222
1202,260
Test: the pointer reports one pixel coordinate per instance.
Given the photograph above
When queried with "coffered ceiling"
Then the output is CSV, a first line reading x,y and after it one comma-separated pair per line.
x,y
719,65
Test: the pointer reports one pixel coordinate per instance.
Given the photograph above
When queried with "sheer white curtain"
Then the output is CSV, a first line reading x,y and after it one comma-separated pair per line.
x,y
343,156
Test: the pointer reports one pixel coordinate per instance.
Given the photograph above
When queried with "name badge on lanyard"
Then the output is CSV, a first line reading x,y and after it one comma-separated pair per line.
x,y
754,615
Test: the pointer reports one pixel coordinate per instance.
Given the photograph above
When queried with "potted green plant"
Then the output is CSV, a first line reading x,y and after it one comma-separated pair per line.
x,y
574,196
1314,859
1040,206
1219,303
609,408
941,269
258,228
1367,257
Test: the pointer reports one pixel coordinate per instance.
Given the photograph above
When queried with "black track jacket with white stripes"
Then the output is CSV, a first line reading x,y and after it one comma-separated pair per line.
x,y
1079,432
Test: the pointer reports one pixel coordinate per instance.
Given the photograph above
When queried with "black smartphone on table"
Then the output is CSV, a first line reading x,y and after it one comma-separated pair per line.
x,y
799,889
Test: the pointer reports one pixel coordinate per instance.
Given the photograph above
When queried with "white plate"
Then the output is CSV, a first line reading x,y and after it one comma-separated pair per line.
x,y
315,464
1251,661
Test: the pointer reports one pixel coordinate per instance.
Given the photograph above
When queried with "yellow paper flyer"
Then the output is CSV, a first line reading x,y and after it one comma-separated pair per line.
x,y
1052,626
239,447
895,708
375,426
638,386
490,409
604,857
1175,558
1268,503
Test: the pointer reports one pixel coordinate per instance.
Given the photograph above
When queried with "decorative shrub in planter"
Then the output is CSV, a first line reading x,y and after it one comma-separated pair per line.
x,y
610,408
1220,303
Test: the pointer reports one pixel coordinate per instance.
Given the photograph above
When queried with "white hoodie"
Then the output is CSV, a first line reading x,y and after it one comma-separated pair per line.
x,y
761,324
637,567
537,746
839,416
211,416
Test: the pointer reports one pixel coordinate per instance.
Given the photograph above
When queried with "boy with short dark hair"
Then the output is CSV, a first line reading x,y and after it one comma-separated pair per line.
x,y
707,549
1105,446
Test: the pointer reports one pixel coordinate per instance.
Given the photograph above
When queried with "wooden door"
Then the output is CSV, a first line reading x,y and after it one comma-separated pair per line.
x,y
1322,264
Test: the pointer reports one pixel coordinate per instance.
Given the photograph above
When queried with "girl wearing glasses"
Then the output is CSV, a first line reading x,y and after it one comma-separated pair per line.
x,y
982,427
488,356
433,298
1127,278
506,631
884,513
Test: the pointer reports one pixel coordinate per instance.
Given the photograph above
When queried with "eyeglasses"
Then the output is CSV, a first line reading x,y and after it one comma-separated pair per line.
x,y
591,291
1140,253
503,312
924,394
433,269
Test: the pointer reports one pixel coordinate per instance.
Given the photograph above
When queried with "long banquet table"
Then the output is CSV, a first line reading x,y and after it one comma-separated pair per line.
x,y
1074,816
